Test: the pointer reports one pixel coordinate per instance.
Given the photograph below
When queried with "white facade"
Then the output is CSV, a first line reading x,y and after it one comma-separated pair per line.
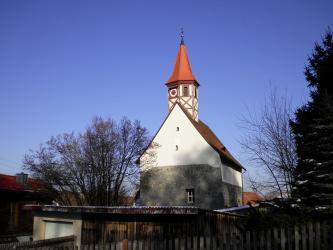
x,y
179,143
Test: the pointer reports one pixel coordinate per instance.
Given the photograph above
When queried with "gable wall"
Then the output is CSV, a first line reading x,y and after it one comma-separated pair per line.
x,y
192,148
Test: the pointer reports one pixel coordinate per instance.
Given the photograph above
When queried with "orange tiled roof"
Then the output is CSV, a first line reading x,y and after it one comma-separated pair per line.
x,y
8,182
251,197
182,69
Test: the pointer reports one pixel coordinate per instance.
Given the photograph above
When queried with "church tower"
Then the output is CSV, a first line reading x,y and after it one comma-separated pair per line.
x,y
182,84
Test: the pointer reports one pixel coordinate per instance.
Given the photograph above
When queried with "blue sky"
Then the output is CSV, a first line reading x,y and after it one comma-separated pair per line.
x,y
62,62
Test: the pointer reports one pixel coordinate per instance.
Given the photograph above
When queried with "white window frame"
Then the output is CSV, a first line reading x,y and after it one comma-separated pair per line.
x,y
190,195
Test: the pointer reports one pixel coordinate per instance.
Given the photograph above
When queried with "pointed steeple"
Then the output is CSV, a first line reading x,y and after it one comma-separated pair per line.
x,y
182,69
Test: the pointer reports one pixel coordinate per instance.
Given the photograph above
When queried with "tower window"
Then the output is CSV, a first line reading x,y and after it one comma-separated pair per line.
x,y
185,89
176,147
190,195
195,93
177,128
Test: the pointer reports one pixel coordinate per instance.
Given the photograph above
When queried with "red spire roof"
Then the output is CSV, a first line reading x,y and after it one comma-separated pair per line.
x,y
182,69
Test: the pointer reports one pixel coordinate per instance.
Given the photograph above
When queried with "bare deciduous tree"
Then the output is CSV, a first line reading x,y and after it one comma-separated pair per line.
x,y
94,168
270,145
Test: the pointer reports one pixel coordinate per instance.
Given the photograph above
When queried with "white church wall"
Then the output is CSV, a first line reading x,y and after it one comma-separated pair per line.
x,y
192,148
183,147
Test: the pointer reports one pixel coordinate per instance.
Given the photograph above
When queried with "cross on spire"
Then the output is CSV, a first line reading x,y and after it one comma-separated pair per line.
x,y
182,36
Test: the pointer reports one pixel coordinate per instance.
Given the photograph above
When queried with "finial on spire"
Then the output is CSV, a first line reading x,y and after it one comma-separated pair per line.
x,y
182,36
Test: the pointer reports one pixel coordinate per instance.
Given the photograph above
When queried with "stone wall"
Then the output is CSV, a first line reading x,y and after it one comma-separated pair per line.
x,y
166,186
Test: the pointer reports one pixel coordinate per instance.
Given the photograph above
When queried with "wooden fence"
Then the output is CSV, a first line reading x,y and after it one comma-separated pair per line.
x,y
61,243
157,227
309,236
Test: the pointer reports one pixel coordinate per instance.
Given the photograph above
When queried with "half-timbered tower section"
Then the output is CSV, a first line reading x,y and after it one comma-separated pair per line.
x,y
191,166
182,84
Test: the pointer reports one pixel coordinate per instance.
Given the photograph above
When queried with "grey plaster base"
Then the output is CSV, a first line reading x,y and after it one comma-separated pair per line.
x,y
166,186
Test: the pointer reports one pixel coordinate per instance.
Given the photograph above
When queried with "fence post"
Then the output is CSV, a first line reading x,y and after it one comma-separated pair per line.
x,y
214,243
290,238
276,239
325,235
310,227
235,243
152,244
195,242
262,239
140,245
176,243
125,245
248,240
169,243
228,241
317,235
165,243
134,245
182,244
119,245
296,237
304,237
255,240
268,239
201,246
208,241
283,239
241,240
331,234
232,241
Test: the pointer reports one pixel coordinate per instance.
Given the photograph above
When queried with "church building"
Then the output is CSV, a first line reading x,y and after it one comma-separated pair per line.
x,y
186,164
